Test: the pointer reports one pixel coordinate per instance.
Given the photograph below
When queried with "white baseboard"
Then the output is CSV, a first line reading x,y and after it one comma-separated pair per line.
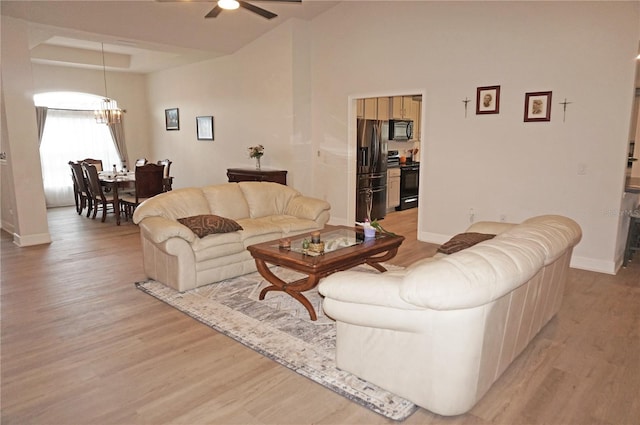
x,y
594,265
31,240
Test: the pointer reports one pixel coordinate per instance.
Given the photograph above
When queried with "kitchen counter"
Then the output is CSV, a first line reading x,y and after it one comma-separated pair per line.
x,y
406,164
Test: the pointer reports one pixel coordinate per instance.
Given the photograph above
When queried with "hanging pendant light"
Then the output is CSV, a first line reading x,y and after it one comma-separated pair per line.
x,y
109,113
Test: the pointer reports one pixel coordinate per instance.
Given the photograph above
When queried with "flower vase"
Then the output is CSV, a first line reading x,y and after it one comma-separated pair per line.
x,y
257,163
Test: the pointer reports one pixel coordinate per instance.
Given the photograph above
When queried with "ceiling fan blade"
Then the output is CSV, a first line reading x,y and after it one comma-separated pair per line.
x,y
255,9
213,12
282,1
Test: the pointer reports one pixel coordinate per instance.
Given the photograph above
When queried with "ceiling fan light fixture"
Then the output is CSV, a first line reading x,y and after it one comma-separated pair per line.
x,y
228,4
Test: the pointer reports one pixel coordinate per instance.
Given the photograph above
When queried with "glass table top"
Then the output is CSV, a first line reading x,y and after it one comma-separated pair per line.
x,y
333,241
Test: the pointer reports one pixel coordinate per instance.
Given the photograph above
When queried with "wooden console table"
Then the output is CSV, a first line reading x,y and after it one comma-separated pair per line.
x,y
252,175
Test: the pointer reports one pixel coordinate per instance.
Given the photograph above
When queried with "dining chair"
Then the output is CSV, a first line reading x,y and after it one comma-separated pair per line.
x,y
149,182
80,190
166,163
96,162
141,161
95,189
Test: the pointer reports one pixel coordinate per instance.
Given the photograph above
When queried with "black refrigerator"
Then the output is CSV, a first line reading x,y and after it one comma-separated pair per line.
x,y
371,185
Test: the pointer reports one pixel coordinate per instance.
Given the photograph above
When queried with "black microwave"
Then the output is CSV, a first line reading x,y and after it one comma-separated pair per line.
x,y
400,130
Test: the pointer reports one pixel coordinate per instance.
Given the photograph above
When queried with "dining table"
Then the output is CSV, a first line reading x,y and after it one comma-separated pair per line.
x,y
120,182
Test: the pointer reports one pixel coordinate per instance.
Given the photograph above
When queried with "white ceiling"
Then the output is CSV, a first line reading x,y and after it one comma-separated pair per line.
x,y
144,35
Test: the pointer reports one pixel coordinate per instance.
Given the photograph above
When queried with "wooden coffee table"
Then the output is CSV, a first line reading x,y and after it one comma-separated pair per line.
x,y
345,247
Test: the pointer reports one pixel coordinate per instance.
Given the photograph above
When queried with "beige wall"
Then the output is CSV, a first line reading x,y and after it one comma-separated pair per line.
x,y
22,189
251,96
128,89
496,164
293,90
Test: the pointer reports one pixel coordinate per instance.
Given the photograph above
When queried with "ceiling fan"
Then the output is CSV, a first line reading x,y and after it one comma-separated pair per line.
x,y
234,4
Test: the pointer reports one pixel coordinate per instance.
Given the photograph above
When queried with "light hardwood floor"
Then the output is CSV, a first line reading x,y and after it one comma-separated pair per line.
x,y
80,345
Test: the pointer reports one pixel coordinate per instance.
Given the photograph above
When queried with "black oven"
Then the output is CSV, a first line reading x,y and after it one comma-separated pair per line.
x,y
409,182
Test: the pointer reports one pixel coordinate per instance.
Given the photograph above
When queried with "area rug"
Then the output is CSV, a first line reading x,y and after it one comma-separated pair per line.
x,y
279,328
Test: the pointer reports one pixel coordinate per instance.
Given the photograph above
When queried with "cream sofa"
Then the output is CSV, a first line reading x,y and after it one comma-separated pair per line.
x,y
442,331
175,256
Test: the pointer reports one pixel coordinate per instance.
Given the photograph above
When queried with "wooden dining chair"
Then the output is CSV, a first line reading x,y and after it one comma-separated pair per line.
x,y
81,193
96,162
166,163
149,183
141,161
95,189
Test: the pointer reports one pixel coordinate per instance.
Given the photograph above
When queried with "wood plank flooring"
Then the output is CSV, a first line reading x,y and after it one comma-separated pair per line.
x,y
81,345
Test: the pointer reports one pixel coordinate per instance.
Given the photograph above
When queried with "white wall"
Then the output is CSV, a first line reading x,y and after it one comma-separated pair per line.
x,y
251,96
293,91
495,164
128,89
23,206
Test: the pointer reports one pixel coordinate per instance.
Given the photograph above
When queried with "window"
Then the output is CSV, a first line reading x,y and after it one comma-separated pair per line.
x,y
71,134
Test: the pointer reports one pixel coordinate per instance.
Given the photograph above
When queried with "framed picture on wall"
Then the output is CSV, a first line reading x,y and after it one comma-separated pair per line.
x,y
537,106
204,128
488,100
172,119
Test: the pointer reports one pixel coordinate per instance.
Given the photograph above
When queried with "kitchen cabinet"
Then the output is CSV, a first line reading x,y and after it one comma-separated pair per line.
x,y
373,108
393,188
360,108
402,107
383,108
417,120
407,108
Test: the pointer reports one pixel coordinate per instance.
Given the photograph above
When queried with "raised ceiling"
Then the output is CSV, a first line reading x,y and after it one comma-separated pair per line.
x,y
144,35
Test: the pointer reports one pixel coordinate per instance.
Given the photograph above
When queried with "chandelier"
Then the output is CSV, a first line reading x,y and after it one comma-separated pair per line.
x,y
109,113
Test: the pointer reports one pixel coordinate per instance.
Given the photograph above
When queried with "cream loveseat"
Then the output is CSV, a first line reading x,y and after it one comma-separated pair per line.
x,y
175,256
442,331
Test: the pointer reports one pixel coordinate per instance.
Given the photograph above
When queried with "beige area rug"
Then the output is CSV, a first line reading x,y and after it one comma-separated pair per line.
x,y
279,328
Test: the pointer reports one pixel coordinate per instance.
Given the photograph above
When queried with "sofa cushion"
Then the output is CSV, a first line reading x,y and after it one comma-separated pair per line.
x,y
462,241
266,198
226,200
206,224
173,205
291,224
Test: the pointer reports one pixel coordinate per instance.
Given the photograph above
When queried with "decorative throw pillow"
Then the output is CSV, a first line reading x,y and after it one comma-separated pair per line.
x,y
203,225
462,241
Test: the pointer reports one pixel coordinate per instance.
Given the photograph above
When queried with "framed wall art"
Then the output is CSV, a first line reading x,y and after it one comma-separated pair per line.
x,y
488,100
537,106
172,119
204,128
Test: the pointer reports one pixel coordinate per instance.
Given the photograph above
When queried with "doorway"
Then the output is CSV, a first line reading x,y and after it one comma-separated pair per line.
x,y
401,155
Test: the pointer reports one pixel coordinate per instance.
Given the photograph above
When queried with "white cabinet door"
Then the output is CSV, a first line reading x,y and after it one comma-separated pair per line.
x,y
393,188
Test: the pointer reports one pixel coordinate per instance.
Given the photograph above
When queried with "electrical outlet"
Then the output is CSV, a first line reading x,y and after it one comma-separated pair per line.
x,y
472,215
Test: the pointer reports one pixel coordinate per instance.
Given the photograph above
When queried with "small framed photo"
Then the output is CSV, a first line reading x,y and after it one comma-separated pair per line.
x,y
172,119
537,106
204,128
488,100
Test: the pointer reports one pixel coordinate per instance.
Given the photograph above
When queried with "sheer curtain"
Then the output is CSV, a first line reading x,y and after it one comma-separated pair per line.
x,y
71,136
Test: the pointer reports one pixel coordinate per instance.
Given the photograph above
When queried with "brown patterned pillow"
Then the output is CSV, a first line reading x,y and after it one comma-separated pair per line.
x,y
203,225
462,241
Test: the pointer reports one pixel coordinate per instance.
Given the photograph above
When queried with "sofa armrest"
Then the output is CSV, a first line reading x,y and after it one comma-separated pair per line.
x,y
306,207
160,229
365,288
369,300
